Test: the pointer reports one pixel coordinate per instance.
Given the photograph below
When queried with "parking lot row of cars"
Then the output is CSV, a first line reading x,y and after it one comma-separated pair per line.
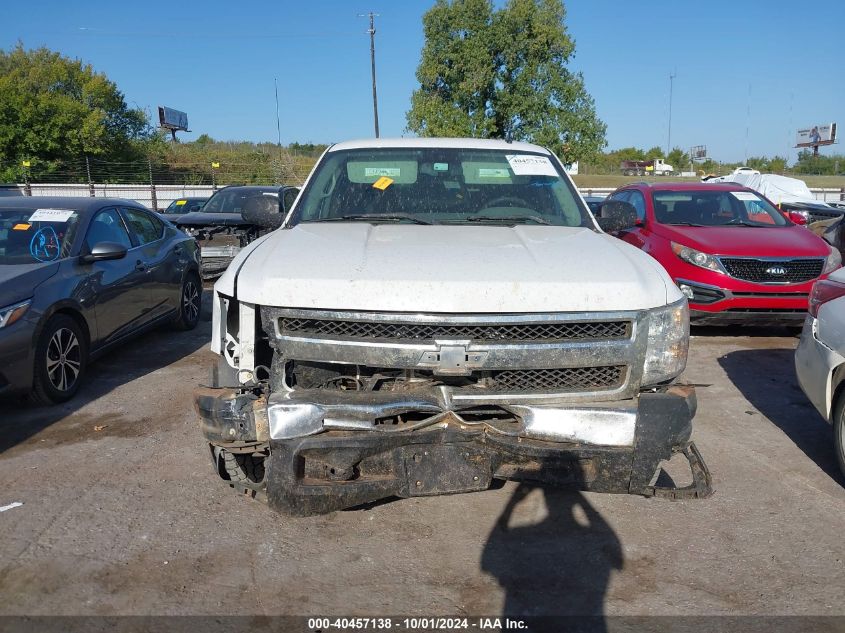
x,y
80,275
741,260
433,315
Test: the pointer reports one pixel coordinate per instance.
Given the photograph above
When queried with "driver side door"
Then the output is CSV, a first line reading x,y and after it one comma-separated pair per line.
x,y
115,287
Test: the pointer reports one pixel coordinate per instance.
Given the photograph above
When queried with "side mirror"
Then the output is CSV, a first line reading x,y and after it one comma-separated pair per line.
x,y
615,215
103,251
288,197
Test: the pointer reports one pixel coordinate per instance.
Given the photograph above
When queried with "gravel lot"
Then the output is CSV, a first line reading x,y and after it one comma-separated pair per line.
x,y
122,514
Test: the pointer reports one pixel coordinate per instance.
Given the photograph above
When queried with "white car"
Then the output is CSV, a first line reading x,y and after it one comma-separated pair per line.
x,y
434,314
820,357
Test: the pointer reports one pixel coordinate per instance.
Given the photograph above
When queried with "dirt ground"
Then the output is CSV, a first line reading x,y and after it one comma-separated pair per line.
x,y
122,514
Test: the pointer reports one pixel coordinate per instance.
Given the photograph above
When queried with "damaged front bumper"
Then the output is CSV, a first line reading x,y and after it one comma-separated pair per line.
x,y
334,449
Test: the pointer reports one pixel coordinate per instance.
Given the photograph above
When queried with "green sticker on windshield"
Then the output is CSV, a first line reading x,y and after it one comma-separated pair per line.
x,y
389,172
441,166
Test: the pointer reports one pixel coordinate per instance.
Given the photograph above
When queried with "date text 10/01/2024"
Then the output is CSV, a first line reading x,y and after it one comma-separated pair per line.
x,y
415,624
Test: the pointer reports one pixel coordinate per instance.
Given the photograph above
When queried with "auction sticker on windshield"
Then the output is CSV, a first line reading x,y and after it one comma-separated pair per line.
x,y
52,215
527,165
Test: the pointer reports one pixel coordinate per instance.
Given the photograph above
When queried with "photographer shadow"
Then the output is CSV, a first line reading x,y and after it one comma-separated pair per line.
x,y
557,566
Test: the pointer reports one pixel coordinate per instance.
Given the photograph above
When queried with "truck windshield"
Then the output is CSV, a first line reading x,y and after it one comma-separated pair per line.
x,y
440,186
715,208
29,236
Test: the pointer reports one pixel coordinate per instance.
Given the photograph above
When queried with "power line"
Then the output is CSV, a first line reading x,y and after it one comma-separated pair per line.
x,y
232,35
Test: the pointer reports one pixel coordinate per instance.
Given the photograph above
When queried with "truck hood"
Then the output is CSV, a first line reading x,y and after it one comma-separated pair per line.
x,y
450,269
747,241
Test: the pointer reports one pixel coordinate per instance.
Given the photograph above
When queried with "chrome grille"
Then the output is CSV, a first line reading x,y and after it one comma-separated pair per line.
x,y
761,270
561,379
574,330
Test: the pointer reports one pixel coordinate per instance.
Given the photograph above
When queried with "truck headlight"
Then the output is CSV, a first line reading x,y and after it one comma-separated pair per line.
x,y
668,342
12,313
697,258
833,261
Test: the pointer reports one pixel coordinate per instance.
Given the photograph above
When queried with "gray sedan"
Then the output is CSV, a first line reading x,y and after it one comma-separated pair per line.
x,y
80,275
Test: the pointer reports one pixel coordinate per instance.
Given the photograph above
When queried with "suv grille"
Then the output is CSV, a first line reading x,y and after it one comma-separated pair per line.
x,y
768,271
581,378
588,330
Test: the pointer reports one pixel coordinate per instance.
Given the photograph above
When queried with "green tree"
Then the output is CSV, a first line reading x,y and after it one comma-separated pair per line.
x,y
627,153
822,164
56,109
776,164
503,74
679,159
654,152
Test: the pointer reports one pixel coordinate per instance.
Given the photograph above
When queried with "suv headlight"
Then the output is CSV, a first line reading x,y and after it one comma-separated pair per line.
x,y
833,261
697,258
668,342
10,314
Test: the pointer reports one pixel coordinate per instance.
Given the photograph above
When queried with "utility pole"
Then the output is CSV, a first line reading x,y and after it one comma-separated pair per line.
x,y
747,123
278,125
90,182
372,32
669,136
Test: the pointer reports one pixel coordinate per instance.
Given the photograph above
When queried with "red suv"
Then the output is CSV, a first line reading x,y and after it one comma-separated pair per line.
x,y
731,252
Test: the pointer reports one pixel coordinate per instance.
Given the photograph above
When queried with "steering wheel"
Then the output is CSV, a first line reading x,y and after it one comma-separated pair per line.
x,y
499,202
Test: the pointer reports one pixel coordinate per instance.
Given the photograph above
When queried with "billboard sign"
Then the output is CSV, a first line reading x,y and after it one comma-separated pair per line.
x,y
816,135
698,152
171,119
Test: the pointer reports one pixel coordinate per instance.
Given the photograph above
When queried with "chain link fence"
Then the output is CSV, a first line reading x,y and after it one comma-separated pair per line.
x,y
157,182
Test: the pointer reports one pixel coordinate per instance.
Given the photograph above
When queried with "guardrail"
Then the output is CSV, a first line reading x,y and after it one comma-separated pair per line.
x,y
160,196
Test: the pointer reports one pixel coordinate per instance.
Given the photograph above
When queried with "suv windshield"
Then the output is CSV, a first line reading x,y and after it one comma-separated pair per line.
x,y
233,200
184,205
440,186
715,208
28,236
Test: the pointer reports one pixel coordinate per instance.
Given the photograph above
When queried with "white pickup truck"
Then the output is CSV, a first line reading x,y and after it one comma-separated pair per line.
x,y
433,314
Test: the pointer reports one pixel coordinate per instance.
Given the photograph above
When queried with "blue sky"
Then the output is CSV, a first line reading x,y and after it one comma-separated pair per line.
x,y
747,74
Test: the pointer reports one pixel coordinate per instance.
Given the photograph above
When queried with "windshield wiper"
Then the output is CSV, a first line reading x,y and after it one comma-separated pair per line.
x,y
738,222
509,219
686,224
386,217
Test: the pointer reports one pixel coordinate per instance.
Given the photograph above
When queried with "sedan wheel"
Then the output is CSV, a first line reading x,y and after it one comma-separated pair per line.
x,y
839,432
61,356
63,359
190,303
